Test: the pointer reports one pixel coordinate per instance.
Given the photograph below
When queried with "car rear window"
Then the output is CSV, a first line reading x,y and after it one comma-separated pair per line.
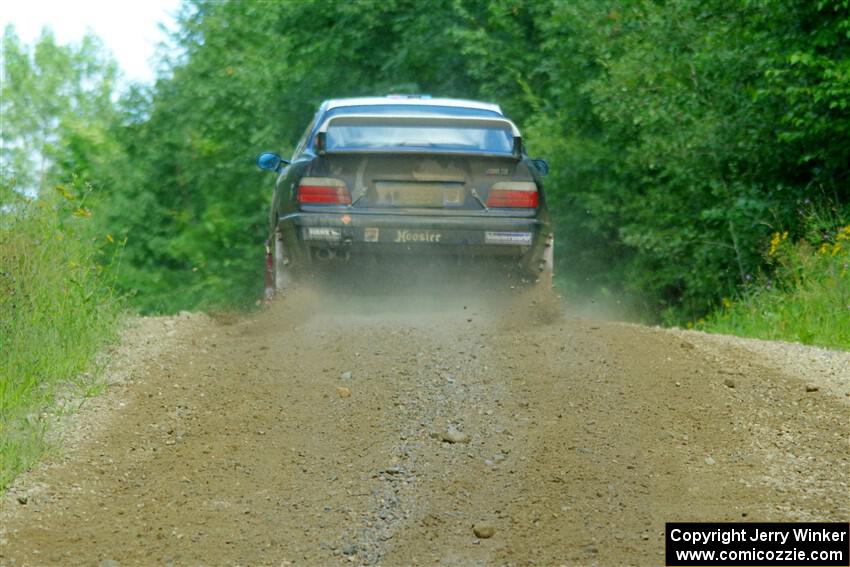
x,y
357,138
414,137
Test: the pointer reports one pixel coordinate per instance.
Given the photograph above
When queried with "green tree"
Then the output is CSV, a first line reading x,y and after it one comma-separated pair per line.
x,y
52,97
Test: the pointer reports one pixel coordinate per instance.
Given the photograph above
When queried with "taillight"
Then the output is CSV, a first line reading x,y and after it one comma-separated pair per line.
x,y
513,195
323,191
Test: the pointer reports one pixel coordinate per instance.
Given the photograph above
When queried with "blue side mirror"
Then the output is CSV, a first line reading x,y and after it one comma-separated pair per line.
x,y
270,161
541,165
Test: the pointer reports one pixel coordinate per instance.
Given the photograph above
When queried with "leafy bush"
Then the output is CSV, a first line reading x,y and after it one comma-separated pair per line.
x,y
57,311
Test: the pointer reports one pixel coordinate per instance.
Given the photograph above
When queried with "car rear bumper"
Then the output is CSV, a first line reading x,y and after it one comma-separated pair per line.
x,y
357,232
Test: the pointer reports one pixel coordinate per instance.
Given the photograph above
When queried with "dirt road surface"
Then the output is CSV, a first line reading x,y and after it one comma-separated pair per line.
x,y
338,428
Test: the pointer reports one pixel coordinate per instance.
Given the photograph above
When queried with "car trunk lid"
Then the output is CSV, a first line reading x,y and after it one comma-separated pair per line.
x,y
438,183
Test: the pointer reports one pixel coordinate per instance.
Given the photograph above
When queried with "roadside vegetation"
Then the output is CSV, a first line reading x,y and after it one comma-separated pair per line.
x,y
58,302
805,295
58,310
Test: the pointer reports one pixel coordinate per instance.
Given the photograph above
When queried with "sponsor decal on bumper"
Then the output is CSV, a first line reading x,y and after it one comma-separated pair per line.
x,y
510,238
371,235
322,233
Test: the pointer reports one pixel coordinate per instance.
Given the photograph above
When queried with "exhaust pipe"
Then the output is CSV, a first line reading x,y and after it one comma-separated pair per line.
x,y
325,253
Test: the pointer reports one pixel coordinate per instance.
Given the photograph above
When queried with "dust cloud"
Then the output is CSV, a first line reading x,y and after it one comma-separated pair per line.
x,y
422,290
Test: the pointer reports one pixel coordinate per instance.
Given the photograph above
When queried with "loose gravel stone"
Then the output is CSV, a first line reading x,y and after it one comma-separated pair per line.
x,y
454,435
483,531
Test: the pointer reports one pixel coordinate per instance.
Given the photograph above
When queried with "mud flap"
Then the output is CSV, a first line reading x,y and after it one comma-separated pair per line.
x,y
547,262
281,272
269,274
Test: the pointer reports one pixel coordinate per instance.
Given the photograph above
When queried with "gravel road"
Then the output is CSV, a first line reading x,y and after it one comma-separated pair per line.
x,y
428,428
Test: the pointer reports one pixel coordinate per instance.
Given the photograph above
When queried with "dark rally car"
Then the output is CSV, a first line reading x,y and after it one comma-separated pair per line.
x,y
407,175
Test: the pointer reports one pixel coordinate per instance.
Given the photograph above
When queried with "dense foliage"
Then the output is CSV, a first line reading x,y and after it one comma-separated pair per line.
x,y
681,133
53,99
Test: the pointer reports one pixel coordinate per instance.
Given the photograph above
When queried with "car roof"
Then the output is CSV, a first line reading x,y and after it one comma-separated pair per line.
x,y
408,100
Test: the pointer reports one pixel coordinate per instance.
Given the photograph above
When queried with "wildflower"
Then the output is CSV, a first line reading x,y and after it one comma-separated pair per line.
x,y
836,248
824,248
726,303
82,212
68,196
775,240
109,238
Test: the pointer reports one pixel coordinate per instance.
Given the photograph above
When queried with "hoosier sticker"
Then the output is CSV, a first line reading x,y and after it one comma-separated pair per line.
x,y
405,236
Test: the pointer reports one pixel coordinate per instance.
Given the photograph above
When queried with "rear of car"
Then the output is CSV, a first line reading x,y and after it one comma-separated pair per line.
x,y
415,177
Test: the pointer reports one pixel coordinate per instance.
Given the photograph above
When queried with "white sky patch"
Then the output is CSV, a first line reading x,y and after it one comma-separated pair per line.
x,y
128,28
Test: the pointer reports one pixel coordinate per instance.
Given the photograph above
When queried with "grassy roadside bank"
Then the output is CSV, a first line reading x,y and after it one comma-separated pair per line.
x,y
806,297
57,312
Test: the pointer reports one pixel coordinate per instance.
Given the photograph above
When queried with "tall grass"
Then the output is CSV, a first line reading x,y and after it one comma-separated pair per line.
x,y
57,311
806,298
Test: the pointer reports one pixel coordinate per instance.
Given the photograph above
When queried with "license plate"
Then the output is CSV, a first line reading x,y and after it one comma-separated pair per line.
x,y
404,194
321,233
